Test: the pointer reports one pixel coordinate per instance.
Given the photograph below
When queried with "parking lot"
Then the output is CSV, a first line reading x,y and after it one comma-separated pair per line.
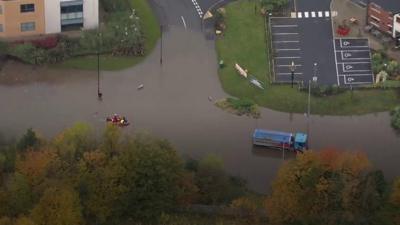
x,y
286,47
353,62
306,39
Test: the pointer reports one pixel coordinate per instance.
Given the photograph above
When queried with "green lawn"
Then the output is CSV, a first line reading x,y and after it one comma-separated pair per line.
x,y
151,30
243,42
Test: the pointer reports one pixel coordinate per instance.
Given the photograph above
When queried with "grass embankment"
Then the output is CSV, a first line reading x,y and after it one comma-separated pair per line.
x,y
243,42
239,107
151,31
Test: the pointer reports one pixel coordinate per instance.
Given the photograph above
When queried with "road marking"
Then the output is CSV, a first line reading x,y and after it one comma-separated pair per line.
x,y
355,75
313,14
289,74
183,21
337,73
286,41
288,57
292,25
285,33
198,9
287,65
326,13
306,14
299,15
349,69
288,49
354,63
319,14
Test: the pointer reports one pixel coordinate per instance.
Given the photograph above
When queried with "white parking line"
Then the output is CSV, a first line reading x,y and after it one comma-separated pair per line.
x,y
288,49
292,25
282,74
313,14
286,41
285,33
319,14
326,13
337,73
288,65
354,63
288,57
306,14
347,44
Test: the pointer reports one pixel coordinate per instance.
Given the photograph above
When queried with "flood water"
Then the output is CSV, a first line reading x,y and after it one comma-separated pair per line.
x,y
174,104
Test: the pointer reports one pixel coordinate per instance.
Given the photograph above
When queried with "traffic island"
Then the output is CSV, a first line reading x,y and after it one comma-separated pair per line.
x,y
239,107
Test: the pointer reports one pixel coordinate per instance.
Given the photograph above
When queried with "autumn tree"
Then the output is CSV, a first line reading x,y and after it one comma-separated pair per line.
x,y
19,195
327,187
58,206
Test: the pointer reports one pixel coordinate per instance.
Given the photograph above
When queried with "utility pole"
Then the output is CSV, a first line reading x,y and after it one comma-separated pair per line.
x,y
309,109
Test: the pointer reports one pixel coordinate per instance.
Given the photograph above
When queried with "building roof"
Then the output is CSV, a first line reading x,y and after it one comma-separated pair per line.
x,y
389,5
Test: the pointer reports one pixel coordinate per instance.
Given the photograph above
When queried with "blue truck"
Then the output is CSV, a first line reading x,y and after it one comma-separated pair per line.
x,y
281,140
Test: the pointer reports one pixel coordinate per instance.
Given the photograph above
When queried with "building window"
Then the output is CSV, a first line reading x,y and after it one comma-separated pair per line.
x,y
71,15
1,27
29,26
27,8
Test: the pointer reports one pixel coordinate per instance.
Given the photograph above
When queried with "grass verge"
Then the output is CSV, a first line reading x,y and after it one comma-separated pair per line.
x,y
244,43
151,30
239,107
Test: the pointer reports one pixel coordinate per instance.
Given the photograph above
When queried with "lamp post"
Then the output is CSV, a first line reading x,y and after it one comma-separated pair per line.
x,y
99,94
292,68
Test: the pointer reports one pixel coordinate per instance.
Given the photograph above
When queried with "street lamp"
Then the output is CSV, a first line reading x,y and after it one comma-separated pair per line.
x,y
99,94
292,68
315,78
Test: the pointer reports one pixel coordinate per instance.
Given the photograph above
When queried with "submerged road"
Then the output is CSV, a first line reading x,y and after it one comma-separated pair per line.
x,y
174,104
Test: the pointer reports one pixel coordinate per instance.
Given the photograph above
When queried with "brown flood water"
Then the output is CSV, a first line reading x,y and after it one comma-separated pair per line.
x,y
174,104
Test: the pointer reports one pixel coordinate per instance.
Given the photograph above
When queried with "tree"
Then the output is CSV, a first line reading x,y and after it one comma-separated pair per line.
x,y
111,140
29,140
58,206
152,171
23,220
20,199
212,180
395,120
328,187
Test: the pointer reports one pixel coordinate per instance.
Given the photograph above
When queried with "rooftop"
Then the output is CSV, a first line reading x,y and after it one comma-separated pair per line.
x,y
391,5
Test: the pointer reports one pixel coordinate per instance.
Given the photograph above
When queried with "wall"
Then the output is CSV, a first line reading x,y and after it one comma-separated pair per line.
x,y
52,16
12,18
396,24
90,14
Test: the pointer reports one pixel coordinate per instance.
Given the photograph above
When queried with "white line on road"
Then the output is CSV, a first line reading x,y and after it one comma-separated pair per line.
x,y
319,14
285,33
292,25
354,63
326,13
313,14
289,74
183,21
306,14
299,15
287,49
287,65
286,41
288,57
355,75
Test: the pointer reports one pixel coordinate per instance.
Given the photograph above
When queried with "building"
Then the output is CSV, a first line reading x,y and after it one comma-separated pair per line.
x,y
385,16
20,18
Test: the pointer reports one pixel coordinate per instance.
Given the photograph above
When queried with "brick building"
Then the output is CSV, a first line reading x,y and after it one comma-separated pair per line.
x,y
385,16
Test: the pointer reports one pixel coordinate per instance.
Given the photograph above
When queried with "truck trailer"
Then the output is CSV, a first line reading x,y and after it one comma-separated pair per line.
x,y
280,140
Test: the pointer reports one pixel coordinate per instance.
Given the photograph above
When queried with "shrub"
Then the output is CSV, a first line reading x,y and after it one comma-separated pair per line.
x,y
24,52
395,121
325,90
46,43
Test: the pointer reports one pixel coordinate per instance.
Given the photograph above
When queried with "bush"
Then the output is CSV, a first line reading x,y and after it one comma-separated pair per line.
x,y
325,90
115,5
395,121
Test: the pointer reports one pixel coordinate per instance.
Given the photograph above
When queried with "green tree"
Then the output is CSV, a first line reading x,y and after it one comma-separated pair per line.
x,y
152,171
23,220
58,206
29,140
111,140
19,192
212,180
